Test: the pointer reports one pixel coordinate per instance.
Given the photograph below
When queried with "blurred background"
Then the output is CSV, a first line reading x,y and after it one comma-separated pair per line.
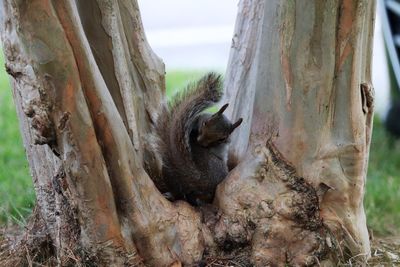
x,y
193,37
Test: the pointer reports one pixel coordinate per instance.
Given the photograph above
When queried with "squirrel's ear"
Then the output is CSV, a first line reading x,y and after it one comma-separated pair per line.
x,y
222,109
236,124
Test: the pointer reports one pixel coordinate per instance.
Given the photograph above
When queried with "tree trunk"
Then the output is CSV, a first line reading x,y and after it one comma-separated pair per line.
x,y
88,90
306,69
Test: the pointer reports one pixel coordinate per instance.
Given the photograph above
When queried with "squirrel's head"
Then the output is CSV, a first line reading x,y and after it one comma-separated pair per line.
x,y
216,129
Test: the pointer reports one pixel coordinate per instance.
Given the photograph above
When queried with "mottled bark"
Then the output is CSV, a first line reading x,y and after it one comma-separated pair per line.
x,y
106,201
306,85
88,90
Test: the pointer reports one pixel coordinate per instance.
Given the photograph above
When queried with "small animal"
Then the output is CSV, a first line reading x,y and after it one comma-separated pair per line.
x,y
193,144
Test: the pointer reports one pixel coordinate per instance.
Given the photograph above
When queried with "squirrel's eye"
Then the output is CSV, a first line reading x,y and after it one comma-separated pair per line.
x,y
221,140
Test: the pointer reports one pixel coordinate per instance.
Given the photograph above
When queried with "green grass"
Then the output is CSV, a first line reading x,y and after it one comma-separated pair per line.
x,y
382,202
16,189
176,80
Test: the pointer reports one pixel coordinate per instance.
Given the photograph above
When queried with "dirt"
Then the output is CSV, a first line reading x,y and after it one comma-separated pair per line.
x,y
385,251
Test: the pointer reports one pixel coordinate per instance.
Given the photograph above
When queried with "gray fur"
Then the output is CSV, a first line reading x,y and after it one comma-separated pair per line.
x,y
193,169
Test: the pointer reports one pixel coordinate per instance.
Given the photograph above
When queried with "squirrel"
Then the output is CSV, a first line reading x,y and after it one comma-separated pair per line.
x,y
193,144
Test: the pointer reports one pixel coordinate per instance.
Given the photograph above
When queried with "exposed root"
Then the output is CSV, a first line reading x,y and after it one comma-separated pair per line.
x,y
264,205
32,246
238,259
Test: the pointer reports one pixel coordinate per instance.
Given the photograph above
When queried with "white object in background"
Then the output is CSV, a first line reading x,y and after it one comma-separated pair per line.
x,y
190,34
380,70
193,36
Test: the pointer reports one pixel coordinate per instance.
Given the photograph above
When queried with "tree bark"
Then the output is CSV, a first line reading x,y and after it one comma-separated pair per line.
x,y
307,78
88,90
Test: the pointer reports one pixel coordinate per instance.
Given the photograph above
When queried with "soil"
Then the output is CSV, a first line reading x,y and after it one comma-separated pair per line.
x,y
385,251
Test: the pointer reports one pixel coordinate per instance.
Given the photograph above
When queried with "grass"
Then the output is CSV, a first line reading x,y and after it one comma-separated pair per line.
x,y
176,80
382,202
16,189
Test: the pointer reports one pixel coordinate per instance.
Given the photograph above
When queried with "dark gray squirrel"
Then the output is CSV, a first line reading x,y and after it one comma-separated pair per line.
x,y
193,144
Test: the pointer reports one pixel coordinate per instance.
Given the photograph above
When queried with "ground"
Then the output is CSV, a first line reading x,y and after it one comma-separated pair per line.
x,y
385,252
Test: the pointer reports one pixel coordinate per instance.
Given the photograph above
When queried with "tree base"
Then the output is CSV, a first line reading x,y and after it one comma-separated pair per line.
x,y
263,215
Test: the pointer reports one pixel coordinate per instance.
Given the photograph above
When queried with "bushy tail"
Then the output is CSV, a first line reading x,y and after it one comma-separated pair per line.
x,y
187,104
175,123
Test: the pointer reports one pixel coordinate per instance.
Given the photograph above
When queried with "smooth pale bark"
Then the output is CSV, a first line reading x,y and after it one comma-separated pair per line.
x,y
306,85
88,90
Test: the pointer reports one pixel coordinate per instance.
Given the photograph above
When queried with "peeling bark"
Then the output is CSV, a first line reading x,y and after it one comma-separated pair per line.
x,y
312,95
88,91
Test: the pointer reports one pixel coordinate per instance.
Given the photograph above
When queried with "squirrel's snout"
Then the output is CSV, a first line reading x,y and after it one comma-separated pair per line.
x,y
202,141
